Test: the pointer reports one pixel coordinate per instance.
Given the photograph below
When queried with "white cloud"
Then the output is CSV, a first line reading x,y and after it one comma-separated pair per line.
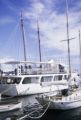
x,y
53,25
38,8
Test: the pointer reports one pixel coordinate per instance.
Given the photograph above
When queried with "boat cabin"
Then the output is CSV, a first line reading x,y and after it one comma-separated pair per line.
x,y
33,79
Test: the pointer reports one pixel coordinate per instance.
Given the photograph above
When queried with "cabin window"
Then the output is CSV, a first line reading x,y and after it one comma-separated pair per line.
x,y
13,80
3,80
46,79
58,77
66,77
28,80
10,80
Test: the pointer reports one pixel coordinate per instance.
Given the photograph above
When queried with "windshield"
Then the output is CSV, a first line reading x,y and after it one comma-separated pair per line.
x,y
46,78
10,80
28,80
58,77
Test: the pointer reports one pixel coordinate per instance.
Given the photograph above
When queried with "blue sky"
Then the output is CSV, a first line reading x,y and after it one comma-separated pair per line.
x,y
52,22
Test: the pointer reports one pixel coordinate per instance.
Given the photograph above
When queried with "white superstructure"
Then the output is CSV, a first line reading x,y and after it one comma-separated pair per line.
x,y
34,79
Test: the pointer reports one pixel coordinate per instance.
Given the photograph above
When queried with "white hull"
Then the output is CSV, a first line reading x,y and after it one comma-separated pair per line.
x,y
19,90
69,102
61,105
65,105
10,107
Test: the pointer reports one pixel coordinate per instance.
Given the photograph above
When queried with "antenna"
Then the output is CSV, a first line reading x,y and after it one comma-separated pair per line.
x,y
38,32
80,49
67,26
23,36
69,39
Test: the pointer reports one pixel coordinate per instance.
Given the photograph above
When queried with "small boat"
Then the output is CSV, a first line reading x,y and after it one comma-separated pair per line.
x,y
10,107
62,102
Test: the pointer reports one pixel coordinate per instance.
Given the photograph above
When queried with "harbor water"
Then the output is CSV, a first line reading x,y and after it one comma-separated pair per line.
x,y
74,114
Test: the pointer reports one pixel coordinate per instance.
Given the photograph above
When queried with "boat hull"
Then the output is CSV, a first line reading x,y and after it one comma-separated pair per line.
x,y
8,89
19,90
65,105
61,105
10,107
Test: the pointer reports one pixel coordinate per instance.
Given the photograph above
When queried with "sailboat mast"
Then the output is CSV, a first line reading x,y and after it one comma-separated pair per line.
x,y
68,42
38,32
80,49
23,37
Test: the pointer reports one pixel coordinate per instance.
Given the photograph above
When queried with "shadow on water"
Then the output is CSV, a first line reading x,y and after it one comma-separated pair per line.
x,y
74,114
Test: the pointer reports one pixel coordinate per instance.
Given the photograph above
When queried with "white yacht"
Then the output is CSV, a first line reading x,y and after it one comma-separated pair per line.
x,y
32,84
62,102
35,80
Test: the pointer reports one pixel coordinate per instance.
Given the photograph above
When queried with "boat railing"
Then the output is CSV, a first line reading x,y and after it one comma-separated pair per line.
x,y
75,95
33,67
39,70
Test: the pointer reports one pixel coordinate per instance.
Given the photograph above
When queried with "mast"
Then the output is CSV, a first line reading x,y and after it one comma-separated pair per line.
x,y
23,36
80,49
38,32
68,42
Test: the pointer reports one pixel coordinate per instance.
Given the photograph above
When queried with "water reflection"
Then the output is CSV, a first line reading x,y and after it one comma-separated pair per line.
x,y
63,115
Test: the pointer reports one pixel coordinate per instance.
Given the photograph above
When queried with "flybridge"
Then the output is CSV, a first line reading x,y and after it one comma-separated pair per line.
x,y
30,67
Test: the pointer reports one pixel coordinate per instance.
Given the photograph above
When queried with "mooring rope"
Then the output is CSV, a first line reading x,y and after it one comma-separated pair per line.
x,y
29,115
